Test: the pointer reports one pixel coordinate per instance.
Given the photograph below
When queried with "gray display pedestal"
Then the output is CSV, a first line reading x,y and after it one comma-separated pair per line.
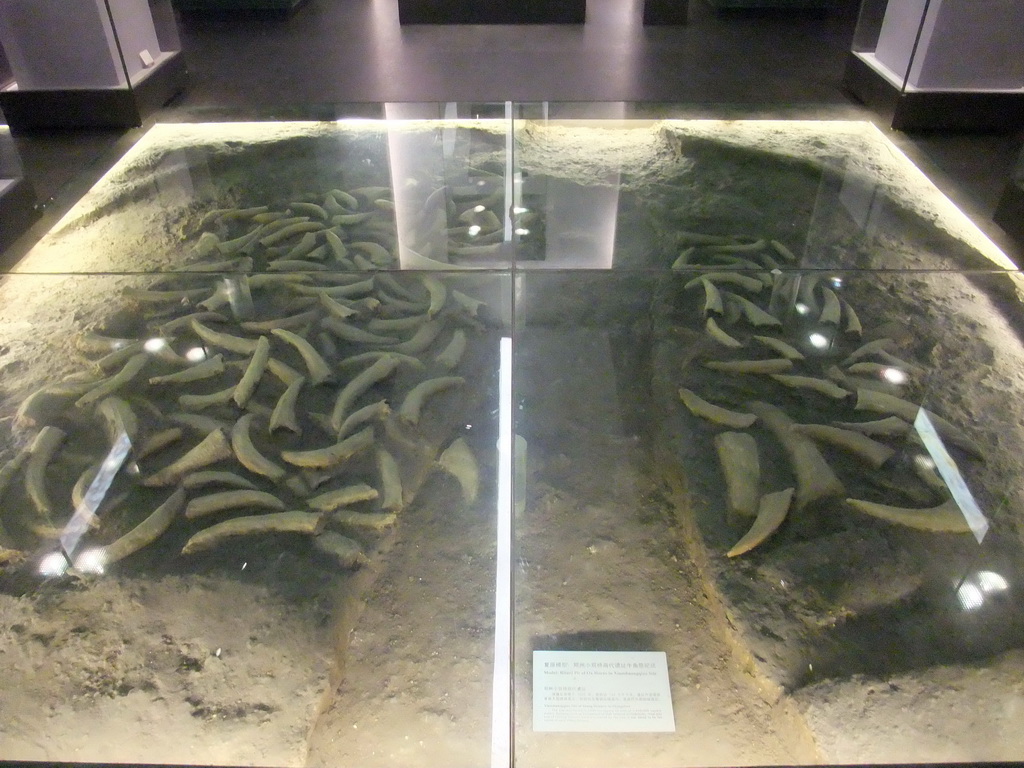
x,y
655,12
1009,213
940,64
87,63
490,12
238,6
94,108
665,12
17,210
768,4
17,198
932,110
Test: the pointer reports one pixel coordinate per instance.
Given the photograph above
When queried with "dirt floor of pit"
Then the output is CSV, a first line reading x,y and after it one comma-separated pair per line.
x,y
179,669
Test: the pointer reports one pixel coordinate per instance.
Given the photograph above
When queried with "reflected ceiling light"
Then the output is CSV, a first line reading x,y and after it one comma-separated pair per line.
x,y
474,230
53,565
837,282
973,590
519,209
479,209
894,376
91,561
925,461
818,340
521,232
801,308
970,596
196,355
990,582
154,345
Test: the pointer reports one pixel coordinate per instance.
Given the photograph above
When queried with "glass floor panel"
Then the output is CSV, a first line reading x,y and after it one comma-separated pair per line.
x,y
771,516
449,439
195,505
814,194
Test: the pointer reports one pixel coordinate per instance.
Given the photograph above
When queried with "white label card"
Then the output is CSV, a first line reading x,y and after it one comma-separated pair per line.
x,y
146,58
602,691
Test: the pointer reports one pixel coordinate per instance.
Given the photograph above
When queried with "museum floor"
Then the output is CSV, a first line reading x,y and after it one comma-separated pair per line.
x,y
336,51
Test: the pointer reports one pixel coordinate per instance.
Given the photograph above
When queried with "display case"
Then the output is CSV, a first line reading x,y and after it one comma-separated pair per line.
x,y
470,436
284,6
1009,213
17,198
940,64
483,12
88,63
768,4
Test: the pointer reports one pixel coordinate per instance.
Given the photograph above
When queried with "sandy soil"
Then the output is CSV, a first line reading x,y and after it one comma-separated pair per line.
x,y
180,669
416,689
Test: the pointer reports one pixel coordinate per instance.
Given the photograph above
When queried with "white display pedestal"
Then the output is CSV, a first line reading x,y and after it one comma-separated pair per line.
x,y
943,64
78,63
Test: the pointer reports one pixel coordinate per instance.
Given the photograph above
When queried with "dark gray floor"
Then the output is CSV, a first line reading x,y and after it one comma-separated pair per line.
x,y
339,51
355,50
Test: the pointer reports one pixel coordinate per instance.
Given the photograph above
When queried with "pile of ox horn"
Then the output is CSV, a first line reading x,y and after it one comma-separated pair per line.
x,y
272,384
733,273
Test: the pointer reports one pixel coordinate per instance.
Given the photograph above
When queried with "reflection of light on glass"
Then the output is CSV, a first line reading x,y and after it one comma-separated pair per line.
x,y
837,282
991,582
474,230
501,702
801,308
894,376
239,297
154,345
519,210
91,561
973,590
521,232
818,340
970,597
479,209
950,473
196,355
53,564
85,513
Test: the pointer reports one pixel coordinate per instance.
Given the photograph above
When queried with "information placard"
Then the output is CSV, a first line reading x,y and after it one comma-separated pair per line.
x,y
601,691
